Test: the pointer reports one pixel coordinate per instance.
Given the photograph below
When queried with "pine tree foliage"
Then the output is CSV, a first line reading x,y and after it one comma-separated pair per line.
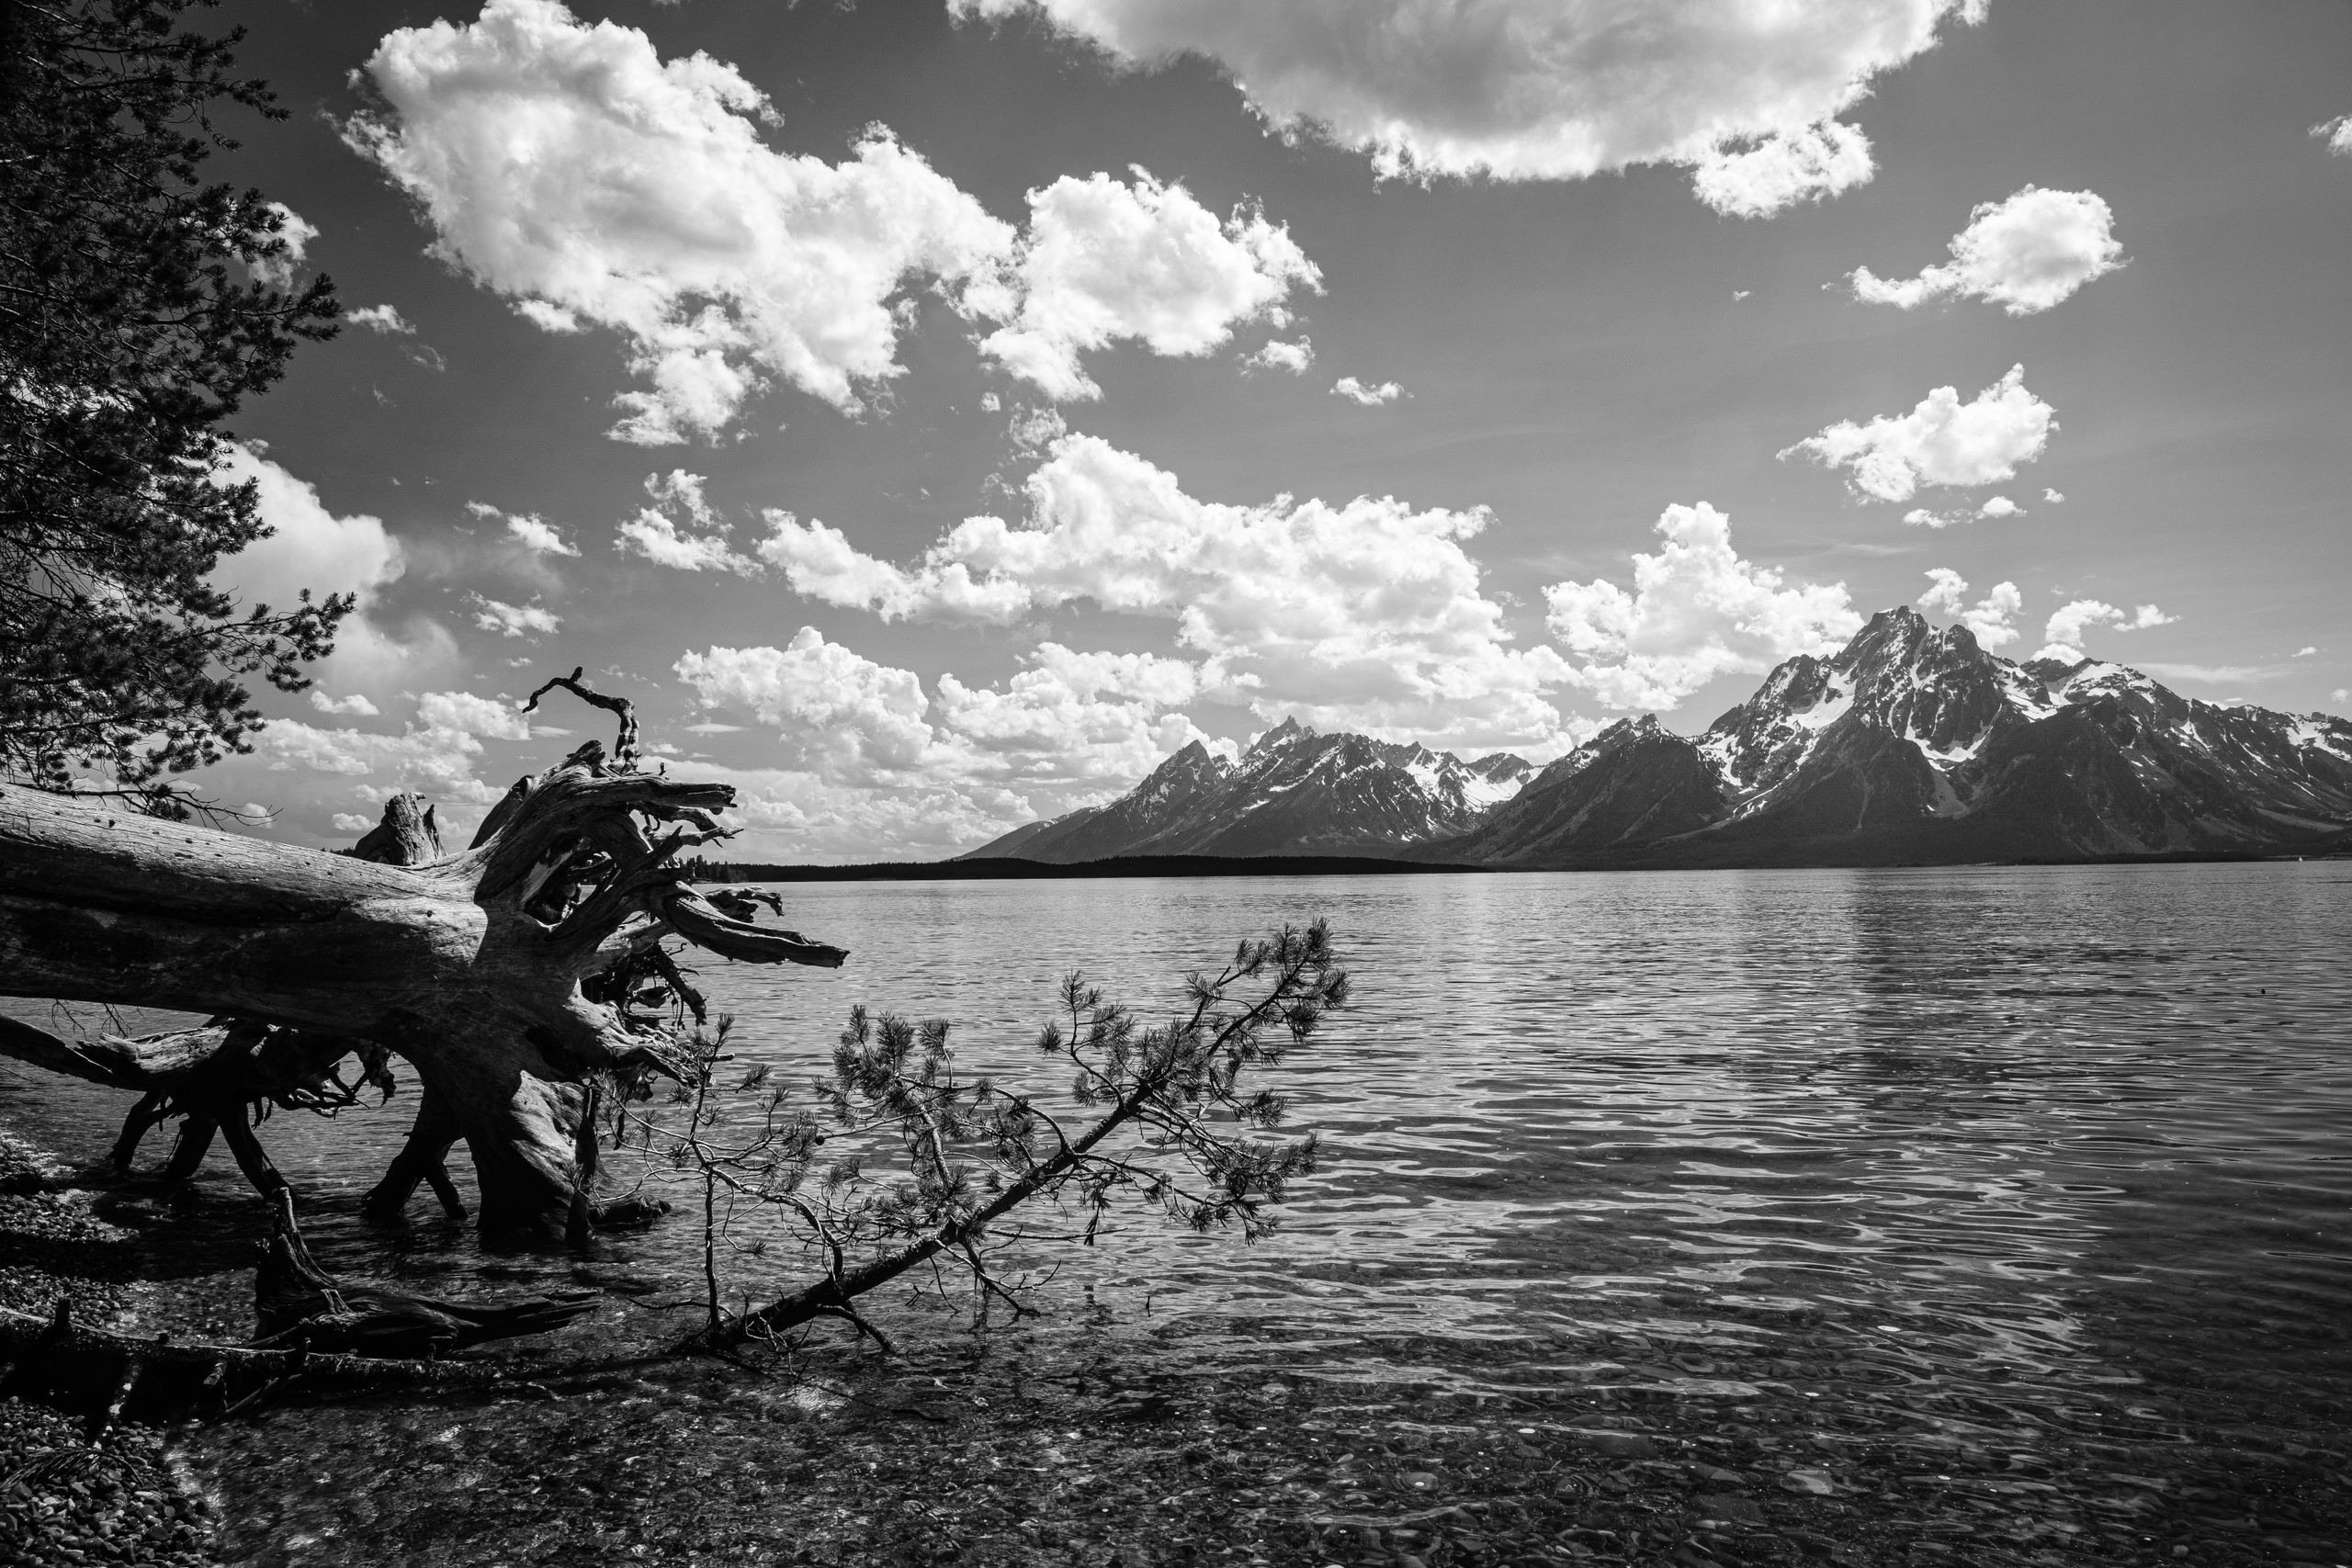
x,y
895,1163
139,308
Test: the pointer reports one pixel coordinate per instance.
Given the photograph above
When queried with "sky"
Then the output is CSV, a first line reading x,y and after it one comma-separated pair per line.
x,y
932,413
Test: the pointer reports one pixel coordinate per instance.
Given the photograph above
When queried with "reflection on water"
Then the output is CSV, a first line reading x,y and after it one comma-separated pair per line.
x,y
2003,1178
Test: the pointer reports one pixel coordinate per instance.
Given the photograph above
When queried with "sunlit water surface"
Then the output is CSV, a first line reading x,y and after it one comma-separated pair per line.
x,y
2046,1164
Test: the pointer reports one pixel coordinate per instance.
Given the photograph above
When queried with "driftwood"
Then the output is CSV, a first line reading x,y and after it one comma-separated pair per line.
x,y
407,836
299,1304
511,976
119,1375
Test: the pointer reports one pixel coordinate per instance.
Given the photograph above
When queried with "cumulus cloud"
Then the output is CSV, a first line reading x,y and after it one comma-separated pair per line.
x,y
873,765
385,319
471,715
310,546
351,822
354,705
1294,357
1032,430
512,620
2054,498
844,713
570,168
530,530
2070,623
2338,134
2000,507
699,543
1993,618
1697,611
1355,391
1105,261
2025,254
1367,615
433,755
1806,164
1943,441
1747,93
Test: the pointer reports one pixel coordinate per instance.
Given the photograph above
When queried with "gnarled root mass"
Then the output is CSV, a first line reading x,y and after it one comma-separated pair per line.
x,y
521,979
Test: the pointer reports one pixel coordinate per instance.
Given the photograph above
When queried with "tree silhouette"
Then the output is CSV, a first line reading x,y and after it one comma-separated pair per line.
x,y
139,308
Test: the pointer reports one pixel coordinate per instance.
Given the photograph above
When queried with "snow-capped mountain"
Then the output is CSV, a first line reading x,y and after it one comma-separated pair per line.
x,y
1910,745
1294,792
1915,744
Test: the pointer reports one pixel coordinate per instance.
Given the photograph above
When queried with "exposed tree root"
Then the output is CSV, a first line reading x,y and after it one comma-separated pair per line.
x,y
523,978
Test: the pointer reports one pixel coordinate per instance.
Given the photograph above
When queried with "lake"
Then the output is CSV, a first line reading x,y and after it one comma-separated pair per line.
x,y
2002,1184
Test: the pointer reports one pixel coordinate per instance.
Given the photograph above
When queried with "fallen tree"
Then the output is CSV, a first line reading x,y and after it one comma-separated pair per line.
x,y
521,978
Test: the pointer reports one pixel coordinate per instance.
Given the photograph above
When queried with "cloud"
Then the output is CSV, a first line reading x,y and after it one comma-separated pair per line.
x,y
1367,615
381,319
2054,498
1294,357
1992,619
1072,718
278,271
2338,134
512,620
874,766
1806,165
1034,430
2212,674
701,546
353,705
1355,391
843,712
352,822
1941,442
1104,261
2307,651
1993,506
464,711
2026,254
308,547
2070,621
1748,95
570,168
531,531
1697,611
435,754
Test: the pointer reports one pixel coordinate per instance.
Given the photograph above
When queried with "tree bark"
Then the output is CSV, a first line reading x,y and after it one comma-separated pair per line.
x,y
502,974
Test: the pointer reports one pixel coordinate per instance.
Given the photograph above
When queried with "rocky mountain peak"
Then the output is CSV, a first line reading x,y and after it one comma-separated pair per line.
x,y
1282,735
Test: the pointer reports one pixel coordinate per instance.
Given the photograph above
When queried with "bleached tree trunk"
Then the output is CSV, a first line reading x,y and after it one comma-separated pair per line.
x,y
505,975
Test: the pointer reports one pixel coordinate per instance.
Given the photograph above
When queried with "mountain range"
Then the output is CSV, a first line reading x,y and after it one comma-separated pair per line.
x,y
1911,745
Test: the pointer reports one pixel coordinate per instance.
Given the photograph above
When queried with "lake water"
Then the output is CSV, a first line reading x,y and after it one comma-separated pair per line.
x,y
2013,1182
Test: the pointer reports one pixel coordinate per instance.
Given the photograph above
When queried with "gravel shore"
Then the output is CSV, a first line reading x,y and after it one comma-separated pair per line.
x,y
127,1496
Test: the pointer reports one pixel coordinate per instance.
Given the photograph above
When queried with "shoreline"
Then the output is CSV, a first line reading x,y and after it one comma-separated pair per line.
x,y
848,1457
1002,1447
127,1496
1188,867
